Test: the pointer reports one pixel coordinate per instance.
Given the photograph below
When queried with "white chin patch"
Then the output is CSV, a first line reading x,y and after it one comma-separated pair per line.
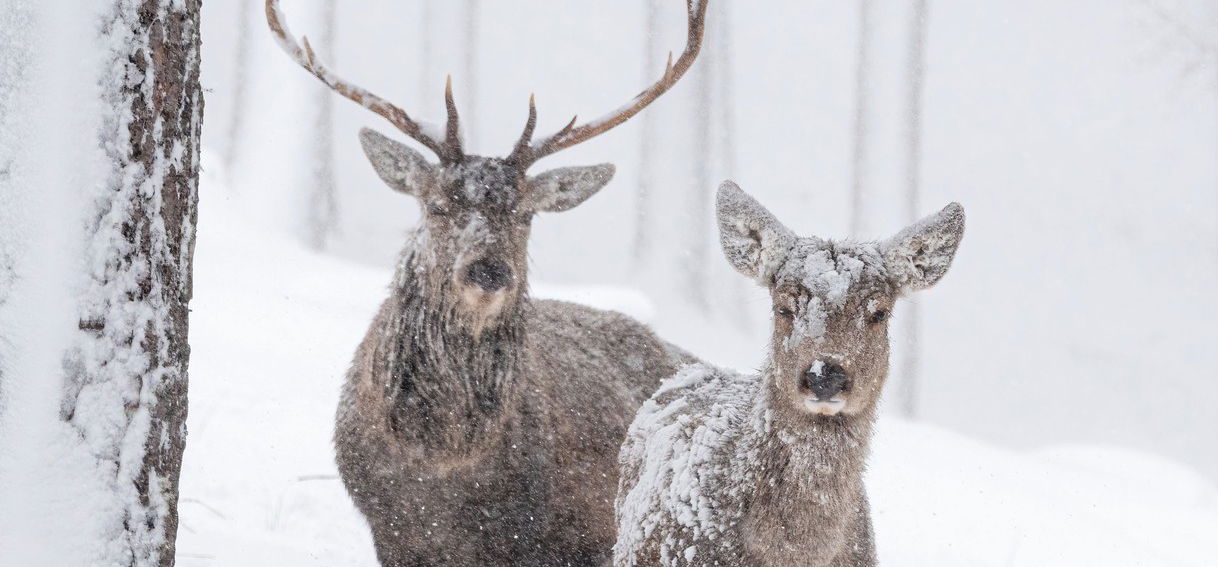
x,y
825,407
488,304
483,307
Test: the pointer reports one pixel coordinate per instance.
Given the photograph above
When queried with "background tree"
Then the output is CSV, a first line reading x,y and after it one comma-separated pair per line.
x,y
322,211
246,12
470,64
94,432
641,241
1187,34
889,75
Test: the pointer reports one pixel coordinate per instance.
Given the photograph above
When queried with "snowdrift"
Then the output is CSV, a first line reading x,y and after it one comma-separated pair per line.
x,y
274,326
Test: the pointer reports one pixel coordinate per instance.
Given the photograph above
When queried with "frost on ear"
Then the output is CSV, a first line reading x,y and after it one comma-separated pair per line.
x,y
918,256
399,166
753,240
561,189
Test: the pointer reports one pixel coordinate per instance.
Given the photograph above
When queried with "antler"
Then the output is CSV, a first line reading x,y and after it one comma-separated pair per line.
x,y
526,153
449,149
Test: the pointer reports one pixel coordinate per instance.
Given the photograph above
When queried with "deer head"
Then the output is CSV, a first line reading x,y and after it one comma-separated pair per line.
x,y
477,211
832,300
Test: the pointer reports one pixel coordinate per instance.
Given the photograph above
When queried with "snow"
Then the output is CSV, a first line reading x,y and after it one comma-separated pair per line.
x,y
275,325
47,472
680,491
1086,163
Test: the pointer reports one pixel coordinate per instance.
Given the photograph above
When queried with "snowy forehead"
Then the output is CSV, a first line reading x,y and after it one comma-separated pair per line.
x,y
487,184
832,271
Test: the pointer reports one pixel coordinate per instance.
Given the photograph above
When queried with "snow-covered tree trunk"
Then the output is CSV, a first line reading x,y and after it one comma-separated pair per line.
x,y
104,211
14,66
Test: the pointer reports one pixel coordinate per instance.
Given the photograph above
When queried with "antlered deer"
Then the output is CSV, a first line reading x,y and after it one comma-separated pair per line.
x,y
477,426
721,468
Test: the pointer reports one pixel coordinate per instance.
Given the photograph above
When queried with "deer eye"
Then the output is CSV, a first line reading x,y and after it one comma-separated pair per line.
x,y
783,312
437,210
879,316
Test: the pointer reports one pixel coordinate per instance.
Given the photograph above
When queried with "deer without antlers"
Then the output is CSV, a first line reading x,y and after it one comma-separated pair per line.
x,y
477,426
721,468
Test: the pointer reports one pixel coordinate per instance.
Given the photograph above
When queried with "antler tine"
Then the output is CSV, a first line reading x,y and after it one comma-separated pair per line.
x,y
306,58
572,135
521,150
452,132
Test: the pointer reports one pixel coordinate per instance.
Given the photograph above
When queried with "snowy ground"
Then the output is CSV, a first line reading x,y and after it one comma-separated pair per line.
x,y
273,328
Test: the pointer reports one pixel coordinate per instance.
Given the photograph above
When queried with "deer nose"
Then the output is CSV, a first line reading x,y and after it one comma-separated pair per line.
x,y
825,380
490,275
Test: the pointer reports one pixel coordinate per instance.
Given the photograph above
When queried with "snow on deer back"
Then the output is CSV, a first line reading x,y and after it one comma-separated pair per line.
x,y
721,468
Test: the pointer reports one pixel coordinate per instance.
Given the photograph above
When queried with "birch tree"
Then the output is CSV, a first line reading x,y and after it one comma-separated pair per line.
x,y
92,430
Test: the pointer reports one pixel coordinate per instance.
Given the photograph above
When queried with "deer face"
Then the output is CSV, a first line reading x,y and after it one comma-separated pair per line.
x,y
477,214
477,210
832,300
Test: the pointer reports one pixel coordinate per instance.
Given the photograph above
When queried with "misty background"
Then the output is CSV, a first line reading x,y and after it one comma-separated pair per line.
x,y
1081,138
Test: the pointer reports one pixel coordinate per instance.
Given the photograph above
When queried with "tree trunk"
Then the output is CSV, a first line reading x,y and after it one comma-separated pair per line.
x,y
14,66
93,440
723,49
469,120
427,51
887,151
647,147
910,318
862,73
323,203
696,251
240,91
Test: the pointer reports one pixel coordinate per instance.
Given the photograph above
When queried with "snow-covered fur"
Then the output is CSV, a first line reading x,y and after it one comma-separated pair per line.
x,y
478,427
721,468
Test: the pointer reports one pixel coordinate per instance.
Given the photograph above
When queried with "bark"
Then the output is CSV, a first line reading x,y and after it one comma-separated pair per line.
x,y
127,370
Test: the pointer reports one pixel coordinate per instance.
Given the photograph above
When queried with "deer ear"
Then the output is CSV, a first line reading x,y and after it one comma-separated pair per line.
x,y
918,256
561,189
400,167
753,240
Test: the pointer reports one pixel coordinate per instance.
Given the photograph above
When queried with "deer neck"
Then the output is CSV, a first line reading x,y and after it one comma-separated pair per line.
x,y
450,391
811,479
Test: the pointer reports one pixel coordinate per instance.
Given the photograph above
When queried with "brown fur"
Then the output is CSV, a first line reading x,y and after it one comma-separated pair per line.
x,y
720,468
478,427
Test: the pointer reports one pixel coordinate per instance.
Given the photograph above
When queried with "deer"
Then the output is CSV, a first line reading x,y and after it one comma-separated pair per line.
x,y
722,468
478,426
